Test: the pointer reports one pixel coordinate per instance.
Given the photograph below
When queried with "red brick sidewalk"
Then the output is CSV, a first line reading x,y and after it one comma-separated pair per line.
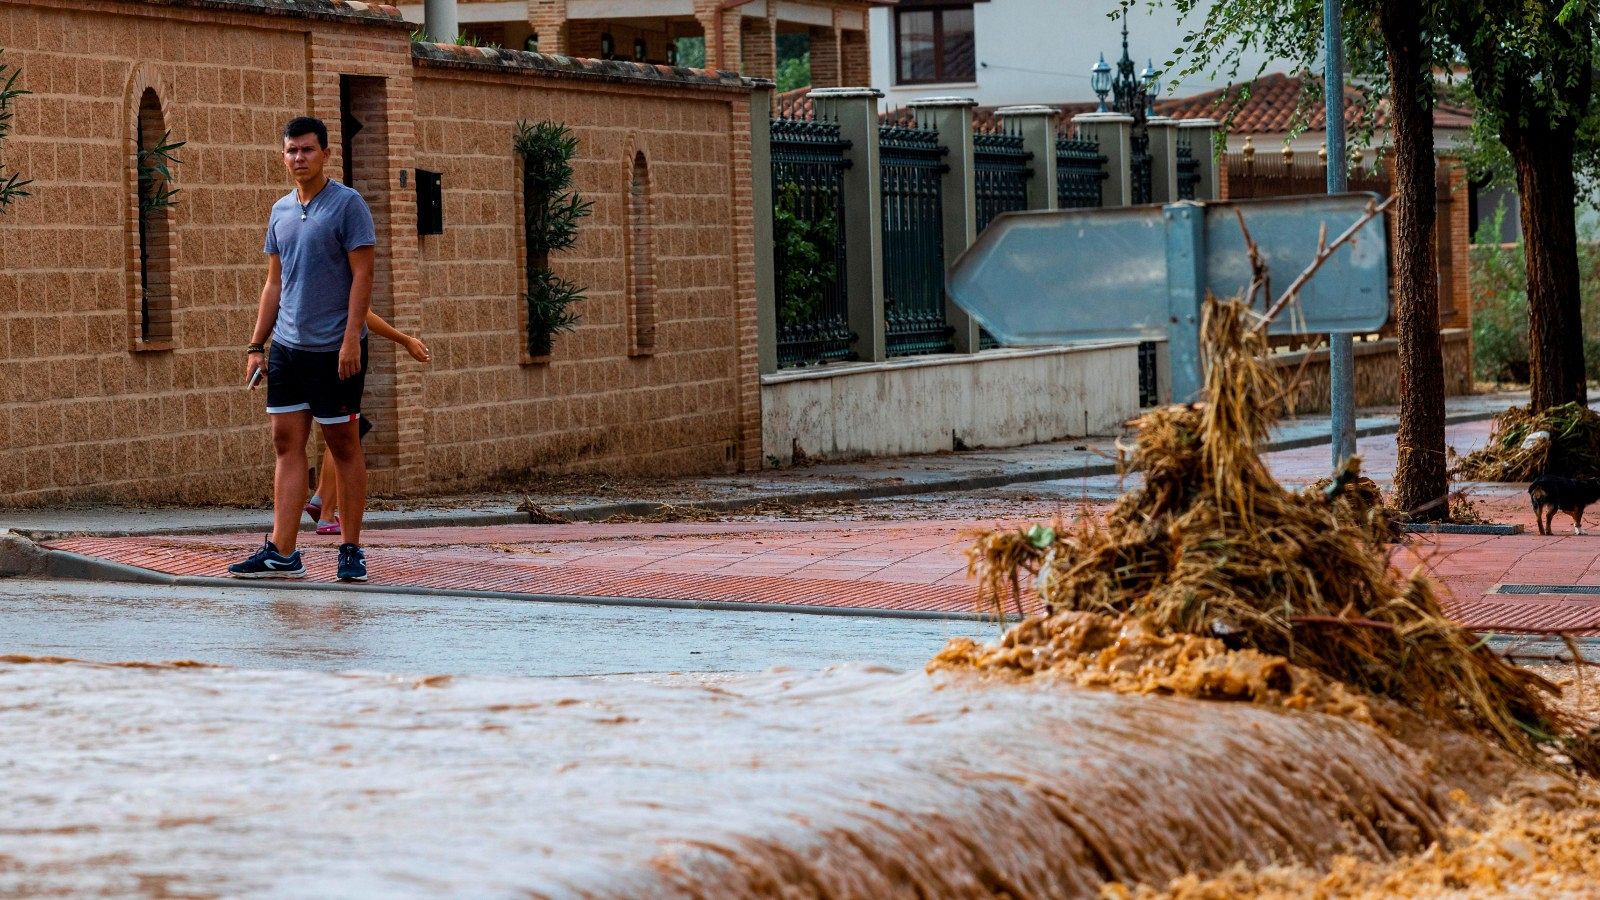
x,y
864,565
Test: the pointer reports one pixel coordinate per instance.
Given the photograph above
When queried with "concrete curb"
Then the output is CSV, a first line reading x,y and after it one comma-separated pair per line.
x,y
592,512
1450,528
65,564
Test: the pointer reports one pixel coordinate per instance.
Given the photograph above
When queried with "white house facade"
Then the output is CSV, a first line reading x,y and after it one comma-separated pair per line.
x,y
1012,52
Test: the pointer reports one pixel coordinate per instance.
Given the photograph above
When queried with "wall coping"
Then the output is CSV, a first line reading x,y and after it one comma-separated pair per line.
x,y
352,11
499,59
1364,348
998,354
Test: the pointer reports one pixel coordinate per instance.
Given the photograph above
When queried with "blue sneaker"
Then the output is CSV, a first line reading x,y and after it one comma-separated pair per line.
x,y
269,563
352,563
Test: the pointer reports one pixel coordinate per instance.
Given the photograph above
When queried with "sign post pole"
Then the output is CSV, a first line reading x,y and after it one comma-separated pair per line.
x,y
1341,345
1186,284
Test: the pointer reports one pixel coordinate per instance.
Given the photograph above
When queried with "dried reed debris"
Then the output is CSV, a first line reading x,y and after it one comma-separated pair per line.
x,y
1211,545
1562,440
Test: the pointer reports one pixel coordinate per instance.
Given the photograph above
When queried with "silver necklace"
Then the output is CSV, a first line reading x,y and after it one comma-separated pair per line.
x,y
306,206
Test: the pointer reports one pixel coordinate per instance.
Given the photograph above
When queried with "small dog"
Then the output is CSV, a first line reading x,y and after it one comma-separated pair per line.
x,y
1552,493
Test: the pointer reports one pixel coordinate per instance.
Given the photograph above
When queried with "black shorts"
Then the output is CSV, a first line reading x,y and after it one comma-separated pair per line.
x,y
309,380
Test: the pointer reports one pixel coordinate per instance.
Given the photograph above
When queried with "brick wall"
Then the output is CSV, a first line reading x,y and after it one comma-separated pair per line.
x,y
88,412
594,405
85,411
1377,373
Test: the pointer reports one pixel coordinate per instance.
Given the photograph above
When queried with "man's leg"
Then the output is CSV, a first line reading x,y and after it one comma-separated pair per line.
x,y
289,433
350,464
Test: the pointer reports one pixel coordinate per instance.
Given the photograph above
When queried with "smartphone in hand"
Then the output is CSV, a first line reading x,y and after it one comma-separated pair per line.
x,y
255,377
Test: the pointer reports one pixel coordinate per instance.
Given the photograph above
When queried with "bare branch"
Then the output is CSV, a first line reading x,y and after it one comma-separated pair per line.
x,y
1373,211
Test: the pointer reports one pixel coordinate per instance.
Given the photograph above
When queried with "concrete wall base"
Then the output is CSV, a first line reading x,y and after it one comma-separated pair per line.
x,y
997,398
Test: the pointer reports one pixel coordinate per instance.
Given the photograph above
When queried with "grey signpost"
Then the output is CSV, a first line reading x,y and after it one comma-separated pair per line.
x,y
1341,345
1142,272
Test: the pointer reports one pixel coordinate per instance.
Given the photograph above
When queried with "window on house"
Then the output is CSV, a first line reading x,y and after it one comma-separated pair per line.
x,y
933,43
641,263
154,204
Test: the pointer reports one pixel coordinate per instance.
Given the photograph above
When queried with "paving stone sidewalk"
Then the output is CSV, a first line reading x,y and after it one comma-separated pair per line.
x,y
593,498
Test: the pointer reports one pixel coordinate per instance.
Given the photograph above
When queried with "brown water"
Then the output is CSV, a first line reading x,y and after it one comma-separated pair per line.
x,y
852,782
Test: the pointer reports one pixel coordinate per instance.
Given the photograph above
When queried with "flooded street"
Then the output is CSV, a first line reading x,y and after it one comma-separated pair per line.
x,y
852,782
336,630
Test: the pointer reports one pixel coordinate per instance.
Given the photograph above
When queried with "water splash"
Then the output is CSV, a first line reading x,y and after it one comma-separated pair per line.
x,y
850,782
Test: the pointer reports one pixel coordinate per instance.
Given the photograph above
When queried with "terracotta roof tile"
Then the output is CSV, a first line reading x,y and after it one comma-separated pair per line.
x,y
1269,108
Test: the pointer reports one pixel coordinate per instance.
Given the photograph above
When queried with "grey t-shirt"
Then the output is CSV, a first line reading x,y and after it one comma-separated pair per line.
x,y
315,300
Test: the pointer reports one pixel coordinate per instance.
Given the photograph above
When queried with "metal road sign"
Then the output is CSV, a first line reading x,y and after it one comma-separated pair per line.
x,y
1037,278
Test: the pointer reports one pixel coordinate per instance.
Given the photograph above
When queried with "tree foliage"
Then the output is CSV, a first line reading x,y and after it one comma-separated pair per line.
x,y
803,260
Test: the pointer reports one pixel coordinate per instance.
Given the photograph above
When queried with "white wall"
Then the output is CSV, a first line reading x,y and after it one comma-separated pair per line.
x,y
999,398
1040,51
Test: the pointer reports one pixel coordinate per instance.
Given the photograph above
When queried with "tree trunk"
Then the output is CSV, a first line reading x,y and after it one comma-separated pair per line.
x,y
1419,476
1549,227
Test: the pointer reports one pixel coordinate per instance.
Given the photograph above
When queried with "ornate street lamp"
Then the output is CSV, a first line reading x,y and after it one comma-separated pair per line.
x,y
608,45
638,49
1100,80
1151,81
672,53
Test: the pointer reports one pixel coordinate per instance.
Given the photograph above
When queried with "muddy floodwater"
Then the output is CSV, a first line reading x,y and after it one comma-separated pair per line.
x,y
846,782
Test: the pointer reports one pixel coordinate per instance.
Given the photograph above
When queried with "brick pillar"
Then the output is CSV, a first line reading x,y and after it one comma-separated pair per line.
x,y
761,227
856,111
1201,135
548,19
1037,125
824,44
1112,131
1163,159
759,47
855,56
723,35
952,118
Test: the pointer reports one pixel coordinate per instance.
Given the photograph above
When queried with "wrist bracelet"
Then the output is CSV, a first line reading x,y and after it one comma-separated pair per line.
x,y
255,348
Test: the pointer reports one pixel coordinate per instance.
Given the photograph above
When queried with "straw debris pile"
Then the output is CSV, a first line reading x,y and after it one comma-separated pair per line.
x,y
1211,545
1562,440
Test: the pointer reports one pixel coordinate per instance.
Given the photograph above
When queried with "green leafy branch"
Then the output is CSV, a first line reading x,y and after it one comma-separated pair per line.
x,y
156,163
11,187
551,212
803,258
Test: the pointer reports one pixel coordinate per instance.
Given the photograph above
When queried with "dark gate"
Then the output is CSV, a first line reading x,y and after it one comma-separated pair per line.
x,y
1080,170
912,162
808,254
1000,175
1000,184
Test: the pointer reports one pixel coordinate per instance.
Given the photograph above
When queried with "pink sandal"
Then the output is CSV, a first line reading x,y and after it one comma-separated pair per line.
x,y
329,527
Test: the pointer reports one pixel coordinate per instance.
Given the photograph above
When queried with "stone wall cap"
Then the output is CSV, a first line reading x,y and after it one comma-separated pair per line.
x,y
1161,122
1109,117
1198,123
942,102
339,10
499,59
1027,110
844,93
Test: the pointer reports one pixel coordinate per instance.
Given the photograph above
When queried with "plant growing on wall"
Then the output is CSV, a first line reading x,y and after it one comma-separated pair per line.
x,y
11,186
156,192
551,211
802,258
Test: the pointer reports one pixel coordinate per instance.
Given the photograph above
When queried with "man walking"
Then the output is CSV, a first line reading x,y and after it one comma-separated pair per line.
x,y
320,248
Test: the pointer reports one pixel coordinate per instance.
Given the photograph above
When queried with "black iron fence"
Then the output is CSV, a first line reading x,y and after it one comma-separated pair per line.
x,y
1000,175
1139,175
808,163
1080,171
912,162
1188,168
